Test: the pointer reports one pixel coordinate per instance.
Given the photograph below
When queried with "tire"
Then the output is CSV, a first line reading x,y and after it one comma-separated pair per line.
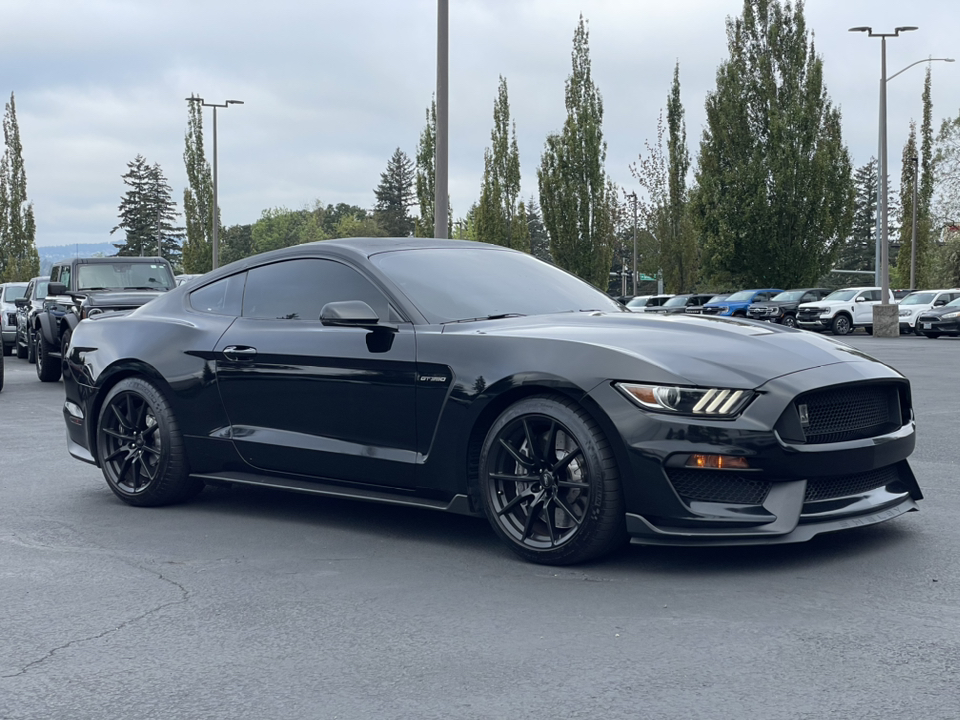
x,y
22,349
140,447
789,321
7,349
31,348
868,329
917,331
65,343
48,367
550,484
840,325
932,335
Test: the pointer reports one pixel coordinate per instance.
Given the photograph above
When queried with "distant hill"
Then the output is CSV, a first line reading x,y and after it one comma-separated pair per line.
x,y
49,254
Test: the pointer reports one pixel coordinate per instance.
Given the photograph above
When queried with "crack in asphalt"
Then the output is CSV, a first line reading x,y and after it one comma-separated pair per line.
x,y
126,623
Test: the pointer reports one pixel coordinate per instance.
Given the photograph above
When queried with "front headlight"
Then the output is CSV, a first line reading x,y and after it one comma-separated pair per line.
x,y
950,316
826,311
679,400
905,313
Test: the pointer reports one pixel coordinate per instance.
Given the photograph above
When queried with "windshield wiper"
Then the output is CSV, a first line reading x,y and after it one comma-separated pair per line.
x,y
500,316
146,287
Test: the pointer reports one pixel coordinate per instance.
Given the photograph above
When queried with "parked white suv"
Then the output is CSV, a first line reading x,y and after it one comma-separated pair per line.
x,y
8,312
917,303
842,310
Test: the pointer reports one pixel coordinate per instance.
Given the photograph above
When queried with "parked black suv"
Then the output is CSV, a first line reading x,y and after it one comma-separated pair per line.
x,y
27,309
82,287
782,308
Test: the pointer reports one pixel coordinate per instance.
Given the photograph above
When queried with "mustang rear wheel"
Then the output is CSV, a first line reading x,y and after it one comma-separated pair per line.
x,y
140,447
550,484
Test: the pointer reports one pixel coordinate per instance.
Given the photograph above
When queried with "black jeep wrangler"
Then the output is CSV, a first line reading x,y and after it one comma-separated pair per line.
x,y
82,287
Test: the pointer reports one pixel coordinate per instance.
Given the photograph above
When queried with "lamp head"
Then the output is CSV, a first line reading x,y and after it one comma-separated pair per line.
x,y
905,28
234,102
862,28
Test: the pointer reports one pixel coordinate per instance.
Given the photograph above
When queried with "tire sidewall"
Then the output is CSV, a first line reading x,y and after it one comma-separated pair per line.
x,y
789,321
840,325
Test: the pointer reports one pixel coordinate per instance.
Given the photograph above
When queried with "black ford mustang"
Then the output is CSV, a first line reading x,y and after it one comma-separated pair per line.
x,y
478,380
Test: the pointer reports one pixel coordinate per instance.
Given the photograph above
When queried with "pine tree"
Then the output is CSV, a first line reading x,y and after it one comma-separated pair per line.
x,y
774,196
148,213
395,195
19,259
575,194
497,210
539,239
426,174
197,197
859,251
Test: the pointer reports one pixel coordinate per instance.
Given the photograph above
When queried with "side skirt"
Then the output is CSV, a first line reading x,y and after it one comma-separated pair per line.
x,y
459,504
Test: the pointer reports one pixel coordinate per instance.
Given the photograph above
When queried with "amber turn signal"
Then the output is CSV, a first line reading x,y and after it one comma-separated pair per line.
x,y
717,462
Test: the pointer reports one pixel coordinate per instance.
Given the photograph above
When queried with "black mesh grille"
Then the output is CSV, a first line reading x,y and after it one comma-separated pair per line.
x,y
837,486
718,486
847,413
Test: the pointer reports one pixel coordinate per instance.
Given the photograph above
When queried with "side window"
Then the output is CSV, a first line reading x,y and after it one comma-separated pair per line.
x,y
224,297
298,290
55,274
872,295
810,297
65,275
29,293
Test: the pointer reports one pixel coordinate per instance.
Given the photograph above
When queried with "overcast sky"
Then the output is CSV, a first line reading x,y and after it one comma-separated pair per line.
x,y
332,87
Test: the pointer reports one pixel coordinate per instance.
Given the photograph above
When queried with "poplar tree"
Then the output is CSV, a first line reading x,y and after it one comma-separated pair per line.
x,y
499,220
576,196
19,259
680,261
426,169
197,197
395,195
774,196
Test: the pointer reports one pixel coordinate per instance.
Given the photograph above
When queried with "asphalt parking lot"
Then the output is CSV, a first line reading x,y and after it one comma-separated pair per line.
x,y
254,604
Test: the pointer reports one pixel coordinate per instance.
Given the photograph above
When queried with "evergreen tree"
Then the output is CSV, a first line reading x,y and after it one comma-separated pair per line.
x,y
775,194
859,251
148,213
395,195
426,174
236,243
680,257
197,197
539,239
575,194
19,259
900,273
497,210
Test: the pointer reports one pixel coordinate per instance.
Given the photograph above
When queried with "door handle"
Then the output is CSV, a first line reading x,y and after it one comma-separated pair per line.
x,y
239,352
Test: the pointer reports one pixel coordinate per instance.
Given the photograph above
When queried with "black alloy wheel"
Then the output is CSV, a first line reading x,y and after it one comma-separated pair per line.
x,y
140,447
48,366
789,321
840,325
550,484
21,346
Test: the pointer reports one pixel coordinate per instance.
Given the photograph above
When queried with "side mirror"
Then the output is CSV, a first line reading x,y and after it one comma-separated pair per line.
x,y
21,302
352,313
940,302
860,298
56,288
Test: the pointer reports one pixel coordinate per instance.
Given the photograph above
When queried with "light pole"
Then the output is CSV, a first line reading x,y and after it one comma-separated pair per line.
x,y
633,196
215,221
877,280
441,198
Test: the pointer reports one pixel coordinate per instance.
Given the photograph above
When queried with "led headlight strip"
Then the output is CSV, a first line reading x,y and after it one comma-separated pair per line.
x,y
702,402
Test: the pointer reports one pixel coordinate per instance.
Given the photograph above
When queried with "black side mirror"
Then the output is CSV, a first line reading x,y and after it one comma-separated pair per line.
x,y
56,288
940,302
21,302
352,313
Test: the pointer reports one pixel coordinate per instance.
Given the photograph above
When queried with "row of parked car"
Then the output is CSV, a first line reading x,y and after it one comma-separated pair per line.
x,y
932,313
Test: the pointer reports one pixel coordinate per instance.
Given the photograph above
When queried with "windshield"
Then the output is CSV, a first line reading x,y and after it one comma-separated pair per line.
x,y
640,302
13,292
450,284
124,276
918,299
742,296
789,295
953,303
41,288
840,295
677,301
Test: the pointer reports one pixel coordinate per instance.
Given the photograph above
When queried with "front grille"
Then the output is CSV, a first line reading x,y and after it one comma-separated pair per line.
x,y
848,412
809,313
718,486
837,486
713,310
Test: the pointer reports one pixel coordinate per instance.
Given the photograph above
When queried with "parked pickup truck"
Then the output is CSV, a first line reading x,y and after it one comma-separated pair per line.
x,y
842,311
82,287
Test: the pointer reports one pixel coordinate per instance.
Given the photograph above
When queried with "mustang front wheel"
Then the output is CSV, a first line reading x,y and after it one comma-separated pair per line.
x,y
550,483
140,447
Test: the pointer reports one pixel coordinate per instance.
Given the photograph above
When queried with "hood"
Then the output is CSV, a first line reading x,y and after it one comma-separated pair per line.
x,y
939,310
119,298
688,349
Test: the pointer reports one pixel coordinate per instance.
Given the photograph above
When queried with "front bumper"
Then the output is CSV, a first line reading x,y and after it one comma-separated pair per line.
x,y
820,323
936,325
792,491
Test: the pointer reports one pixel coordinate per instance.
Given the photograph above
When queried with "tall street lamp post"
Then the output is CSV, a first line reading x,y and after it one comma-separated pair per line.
x,y
215,221
885,318
633,196
913,234
441,198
